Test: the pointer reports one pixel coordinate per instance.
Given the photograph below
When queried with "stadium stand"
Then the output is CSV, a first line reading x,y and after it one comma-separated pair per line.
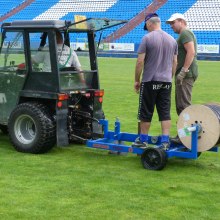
x,y
203,15
7,6
13,8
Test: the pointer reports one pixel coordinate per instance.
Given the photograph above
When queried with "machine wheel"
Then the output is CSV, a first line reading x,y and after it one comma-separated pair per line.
x,y
32,128
154,158
4,129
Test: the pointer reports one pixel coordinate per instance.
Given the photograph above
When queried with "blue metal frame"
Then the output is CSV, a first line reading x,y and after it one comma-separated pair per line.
x,y
114,141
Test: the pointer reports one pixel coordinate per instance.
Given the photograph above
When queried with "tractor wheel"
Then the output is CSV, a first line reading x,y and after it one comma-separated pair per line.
x,y
32,128
154,158
4,129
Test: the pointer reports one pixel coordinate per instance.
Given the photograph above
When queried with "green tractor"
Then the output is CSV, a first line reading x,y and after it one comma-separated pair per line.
x,y
40,107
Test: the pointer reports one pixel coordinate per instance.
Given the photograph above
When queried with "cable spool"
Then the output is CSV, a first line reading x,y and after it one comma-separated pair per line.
x,y
208,116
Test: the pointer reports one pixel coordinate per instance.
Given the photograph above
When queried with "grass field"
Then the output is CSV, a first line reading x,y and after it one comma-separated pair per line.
x,y
76,182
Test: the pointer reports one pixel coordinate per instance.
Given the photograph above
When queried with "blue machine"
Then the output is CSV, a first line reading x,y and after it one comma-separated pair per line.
x,y
153,157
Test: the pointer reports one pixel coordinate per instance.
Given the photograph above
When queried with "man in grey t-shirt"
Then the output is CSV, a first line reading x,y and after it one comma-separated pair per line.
x,y
157,60
66,56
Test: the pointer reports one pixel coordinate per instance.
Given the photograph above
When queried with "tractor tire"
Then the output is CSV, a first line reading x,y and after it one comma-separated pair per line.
x,y
154,158
32,128
4,129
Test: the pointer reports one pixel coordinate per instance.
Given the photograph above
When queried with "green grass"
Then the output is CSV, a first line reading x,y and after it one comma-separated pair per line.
x,y
76,182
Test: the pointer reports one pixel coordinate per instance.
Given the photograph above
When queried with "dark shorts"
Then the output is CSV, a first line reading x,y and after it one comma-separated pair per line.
x,y
151,94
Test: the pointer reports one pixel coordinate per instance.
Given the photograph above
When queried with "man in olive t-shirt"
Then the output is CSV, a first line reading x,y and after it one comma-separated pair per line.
x,y
187,69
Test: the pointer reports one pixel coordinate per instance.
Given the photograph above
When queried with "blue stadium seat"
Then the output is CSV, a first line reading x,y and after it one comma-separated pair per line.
x,y
206,28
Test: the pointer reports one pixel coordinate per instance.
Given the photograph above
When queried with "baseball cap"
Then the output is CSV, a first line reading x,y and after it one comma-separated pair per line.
x,y
175,16
150,15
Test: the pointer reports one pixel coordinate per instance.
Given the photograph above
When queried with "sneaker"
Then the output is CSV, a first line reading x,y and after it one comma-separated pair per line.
x,y
165,145
176,140
139,144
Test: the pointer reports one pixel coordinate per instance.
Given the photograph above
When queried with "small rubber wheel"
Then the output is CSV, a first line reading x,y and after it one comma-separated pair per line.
x,y
154,158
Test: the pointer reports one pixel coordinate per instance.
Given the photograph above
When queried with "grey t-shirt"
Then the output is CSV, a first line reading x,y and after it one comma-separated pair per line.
x,y
160,49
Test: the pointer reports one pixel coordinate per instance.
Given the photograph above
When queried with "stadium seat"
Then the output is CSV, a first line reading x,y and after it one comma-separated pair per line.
x,y
203,15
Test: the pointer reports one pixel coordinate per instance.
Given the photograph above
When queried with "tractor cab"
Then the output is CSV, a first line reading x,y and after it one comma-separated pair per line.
x,y
49,82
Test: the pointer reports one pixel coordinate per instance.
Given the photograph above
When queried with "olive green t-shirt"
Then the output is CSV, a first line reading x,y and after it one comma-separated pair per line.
x,y
185,37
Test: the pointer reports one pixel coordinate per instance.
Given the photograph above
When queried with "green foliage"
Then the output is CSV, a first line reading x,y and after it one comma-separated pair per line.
x,y
76,182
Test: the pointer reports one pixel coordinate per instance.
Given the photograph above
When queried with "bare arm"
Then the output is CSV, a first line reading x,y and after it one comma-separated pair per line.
x,y
81,74
78,66
138,70
190,54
